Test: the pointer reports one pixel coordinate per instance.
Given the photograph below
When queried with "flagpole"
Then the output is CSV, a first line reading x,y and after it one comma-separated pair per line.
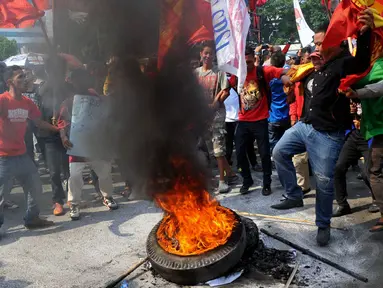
x,y
53,55
329,14
43,28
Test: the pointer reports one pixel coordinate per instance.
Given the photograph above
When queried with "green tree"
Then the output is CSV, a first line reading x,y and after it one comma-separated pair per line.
x,y
278,19
8,48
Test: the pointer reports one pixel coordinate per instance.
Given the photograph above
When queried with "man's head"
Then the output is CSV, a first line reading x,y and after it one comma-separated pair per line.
x,y
319,36
250,58
278,59
305,58
207,54
15,79
81,81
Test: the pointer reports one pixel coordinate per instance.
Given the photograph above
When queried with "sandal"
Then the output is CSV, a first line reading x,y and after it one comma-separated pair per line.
x,y
378,226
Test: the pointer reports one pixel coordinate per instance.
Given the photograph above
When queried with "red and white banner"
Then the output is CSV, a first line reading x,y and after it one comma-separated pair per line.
x,y
304,31
231,22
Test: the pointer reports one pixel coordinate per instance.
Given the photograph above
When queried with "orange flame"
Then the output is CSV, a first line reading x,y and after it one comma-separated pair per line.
x,y
194,222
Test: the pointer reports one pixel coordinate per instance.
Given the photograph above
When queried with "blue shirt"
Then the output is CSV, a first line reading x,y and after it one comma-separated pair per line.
x,y
279,107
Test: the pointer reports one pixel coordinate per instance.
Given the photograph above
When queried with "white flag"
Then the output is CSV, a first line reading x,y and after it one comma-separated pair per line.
x,y
304,31
231,22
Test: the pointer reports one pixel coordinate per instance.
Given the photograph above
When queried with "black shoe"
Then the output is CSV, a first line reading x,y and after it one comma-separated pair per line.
x,y
38,223
323,236
341,211
306,191
288,204
245,188
373,208
266,191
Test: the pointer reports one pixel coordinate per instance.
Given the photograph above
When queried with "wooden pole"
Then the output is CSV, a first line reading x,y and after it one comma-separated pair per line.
x,y
130,271
53,56
291,278
43,28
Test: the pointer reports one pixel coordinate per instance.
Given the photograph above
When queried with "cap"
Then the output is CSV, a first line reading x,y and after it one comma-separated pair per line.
x,y
315,55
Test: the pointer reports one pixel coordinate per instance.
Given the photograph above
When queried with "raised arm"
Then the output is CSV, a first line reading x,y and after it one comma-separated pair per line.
x,y
369,91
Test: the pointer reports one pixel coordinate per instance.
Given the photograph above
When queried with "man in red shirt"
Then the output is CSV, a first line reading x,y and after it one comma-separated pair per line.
x,y
253,114
15,110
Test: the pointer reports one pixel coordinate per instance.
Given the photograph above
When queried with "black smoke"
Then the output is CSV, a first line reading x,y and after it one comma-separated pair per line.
x,y
155,118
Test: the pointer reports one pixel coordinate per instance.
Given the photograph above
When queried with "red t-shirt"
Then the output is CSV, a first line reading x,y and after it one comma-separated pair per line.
x,y
13,123
254,106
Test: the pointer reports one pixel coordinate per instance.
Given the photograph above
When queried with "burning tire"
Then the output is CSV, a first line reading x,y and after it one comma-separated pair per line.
x,y
192,270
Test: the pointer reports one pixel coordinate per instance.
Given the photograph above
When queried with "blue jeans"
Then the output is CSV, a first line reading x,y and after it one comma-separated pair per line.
x,y
323,149
24,170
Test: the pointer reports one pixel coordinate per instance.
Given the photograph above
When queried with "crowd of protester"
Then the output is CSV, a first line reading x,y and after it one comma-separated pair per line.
x,y
298,125
301,121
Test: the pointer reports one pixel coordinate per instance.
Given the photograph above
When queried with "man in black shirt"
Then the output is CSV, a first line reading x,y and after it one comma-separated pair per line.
x,y
322,127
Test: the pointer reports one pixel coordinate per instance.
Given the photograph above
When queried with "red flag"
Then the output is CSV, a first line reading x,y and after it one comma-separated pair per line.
x,y
18,14
171,12
199,28
256,3
202,29
343,24
328,4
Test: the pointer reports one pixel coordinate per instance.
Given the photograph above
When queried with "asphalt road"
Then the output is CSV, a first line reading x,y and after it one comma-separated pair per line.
x,y
103,244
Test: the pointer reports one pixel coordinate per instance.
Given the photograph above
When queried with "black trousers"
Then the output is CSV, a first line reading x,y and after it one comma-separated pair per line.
x,y
230,138
354,148
230,132
245,135
57,162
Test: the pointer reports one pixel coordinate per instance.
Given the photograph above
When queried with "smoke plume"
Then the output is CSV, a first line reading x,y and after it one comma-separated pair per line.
x,y
154,119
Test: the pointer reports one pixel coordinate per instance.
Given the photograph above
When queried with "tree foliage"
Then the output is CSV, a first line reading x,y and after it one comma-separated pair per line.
x,y
278,19
8,48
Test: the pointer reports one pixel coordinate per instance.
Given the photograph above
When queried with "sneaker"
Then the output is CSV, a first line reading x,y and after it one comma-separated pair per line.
x,y
74,212
223,187
323,236
266,191
58,210
341,211
38,223
231,180
288,204
359,176
245,188
373,208
10,205
110,203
